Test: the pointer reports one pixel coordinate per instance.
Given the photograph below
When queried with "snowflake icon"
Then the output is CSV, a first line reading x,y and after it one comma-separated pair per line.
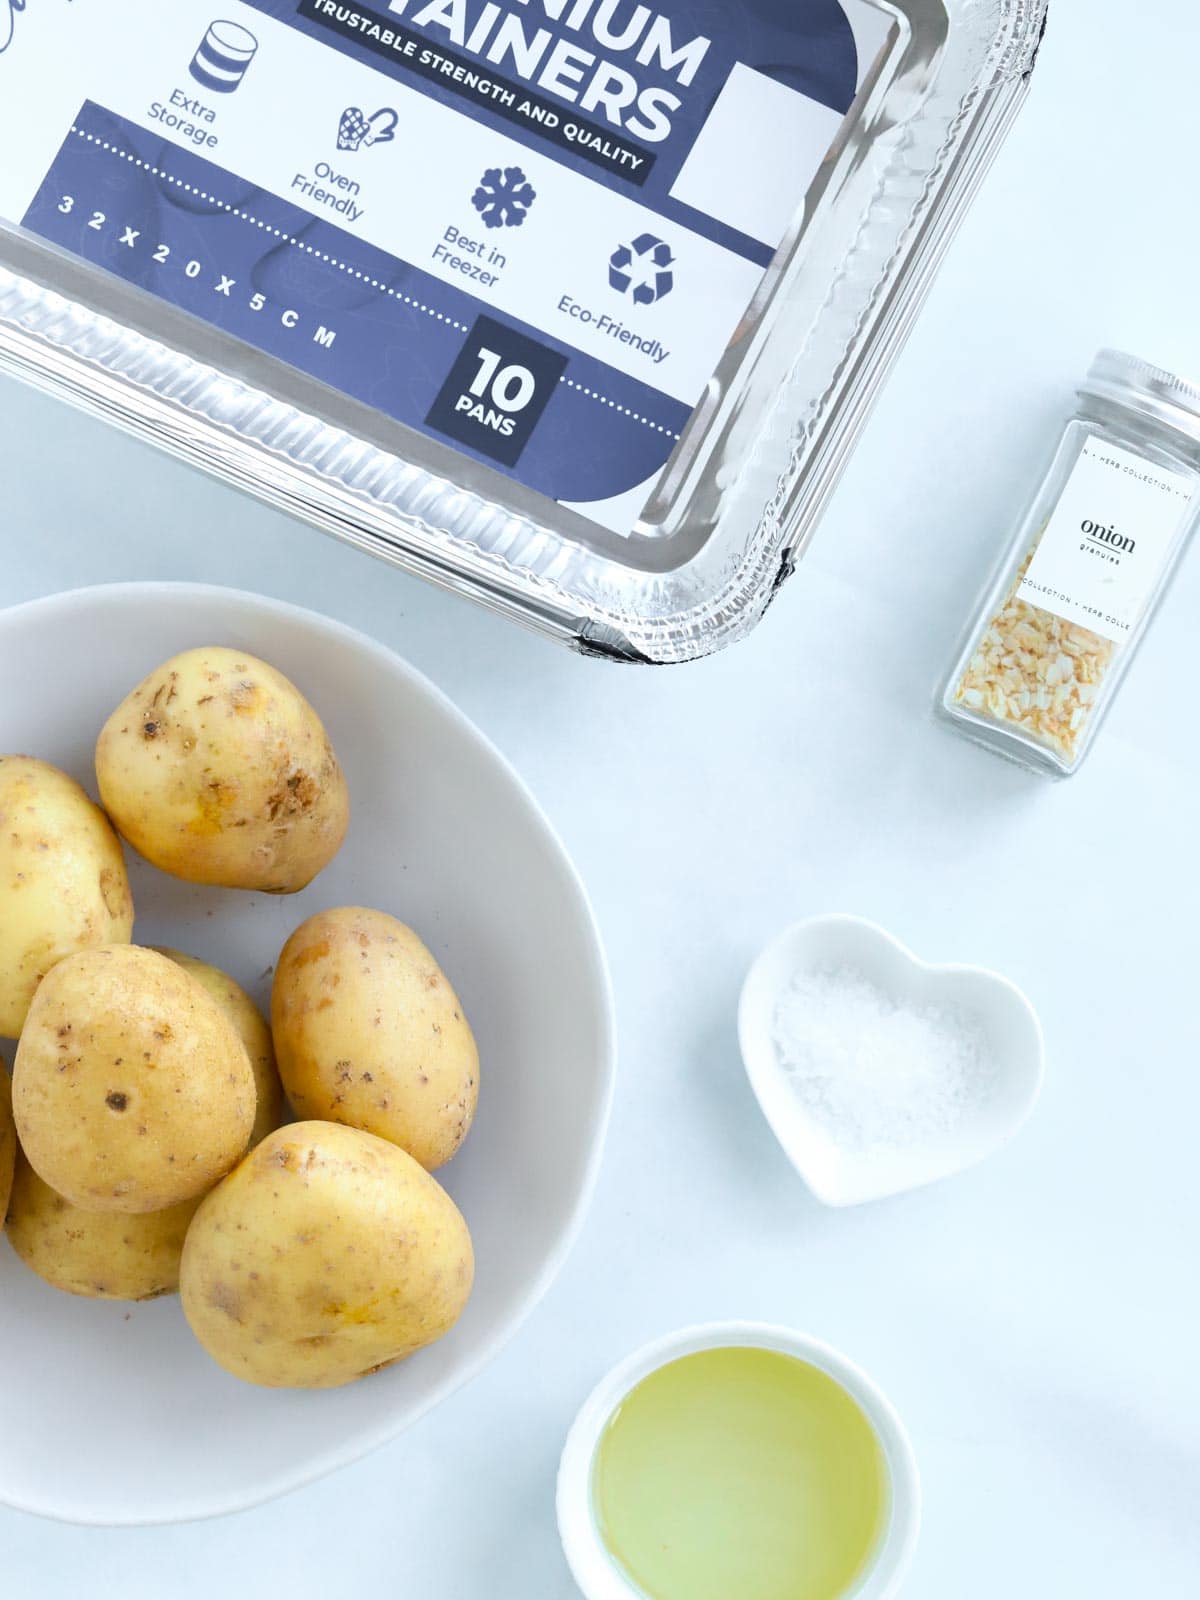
x,y
503,198
643,269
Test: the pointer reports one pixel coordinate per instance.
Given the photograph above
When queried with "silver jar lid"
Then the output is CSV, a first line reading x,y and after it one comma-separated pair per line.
x,y
1126,380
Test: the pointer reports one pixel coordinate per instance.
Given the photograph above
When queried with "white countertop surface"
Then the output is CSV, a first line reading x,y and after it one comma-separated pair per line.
x,y
1034,1321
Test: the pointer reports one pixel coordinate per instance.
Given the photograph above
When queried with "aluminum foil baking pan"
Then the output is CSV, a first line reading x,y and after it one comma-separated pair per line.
x,y
572,306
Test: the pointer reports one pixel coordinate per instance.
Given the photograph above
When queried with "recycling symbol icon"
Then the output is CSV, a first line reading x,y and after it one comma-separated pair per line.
x,y
643,269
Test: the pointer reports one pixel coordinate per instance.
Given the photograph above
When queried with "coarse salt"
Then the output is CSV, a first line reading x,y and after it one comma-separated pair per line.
x,y
874,1072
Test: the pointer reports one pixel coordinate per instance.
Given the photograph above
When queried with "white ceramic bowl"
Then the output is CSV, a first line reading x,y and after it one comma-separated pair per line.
x,y
594,1570
113,1413
844,1176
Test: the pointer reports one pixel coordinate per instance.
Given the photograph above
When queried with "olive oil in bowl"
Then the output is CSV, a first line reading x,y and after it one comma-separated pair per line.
x,y
741,1474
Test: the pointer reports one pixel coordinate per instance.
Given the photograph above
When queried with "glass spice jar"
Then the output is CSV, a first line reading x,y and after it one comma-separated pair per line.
x,y
1089,565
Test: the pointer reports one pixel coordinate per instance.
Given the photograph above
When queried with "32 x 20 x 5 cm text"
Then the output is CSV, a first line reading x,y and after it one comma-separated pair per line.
x,y
222,284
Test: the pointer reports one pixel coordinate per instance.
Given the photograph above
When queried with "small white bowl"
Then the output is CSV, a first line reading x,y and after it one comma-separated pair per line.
x,y
842,1176
597,1573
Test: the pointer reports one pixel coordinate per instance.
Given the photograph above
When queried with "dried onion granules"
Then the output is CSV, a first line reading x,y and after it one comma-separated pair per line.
x,y
1088,566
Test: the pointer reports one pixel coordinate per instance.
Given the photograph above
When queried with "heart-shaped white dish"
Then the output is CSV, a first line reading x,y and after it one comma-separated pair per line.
x,y
841,1174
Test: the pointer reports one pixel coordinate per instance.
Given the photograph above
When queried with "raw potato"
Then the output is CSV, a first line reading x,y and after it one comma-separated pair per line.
x,y
253,1032
369,1032
113,1255
218,770
326,1255
8,1141
106,1255
63,885
131,1090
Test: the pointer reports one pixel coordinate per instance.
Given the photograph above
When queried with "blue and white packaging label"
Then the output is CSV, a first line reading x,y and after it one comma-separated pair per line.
x,y
525,228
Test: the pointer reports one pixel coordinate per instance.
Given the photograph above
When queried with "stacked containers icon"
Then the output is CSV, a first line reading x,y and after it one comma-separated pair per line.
x,y
225,52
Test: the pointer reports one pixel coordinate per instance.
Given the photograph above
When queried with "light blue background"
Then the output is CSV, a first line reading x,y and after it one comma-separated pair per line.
x,y
1034,1321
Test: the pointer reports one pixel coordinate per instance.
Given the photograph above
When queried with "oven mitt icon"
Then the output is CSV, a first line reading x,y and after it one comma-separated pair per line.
x,y
357,131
